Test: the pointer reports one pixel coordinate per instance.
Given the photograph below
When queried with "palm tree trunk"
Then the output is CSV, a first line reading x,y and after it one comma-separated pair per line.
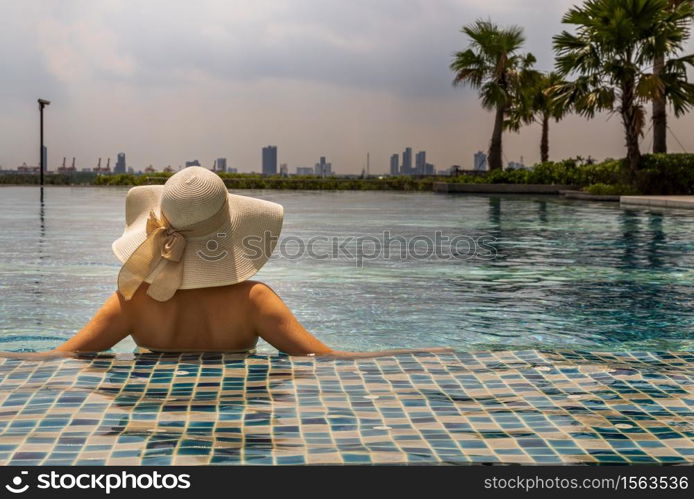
x,y
544,142
495,162
659,112
630,118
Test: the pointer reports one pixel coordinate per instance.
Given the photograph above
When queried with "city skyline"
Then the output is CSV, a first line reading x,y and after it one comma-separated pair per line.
x,y
213,79
269,161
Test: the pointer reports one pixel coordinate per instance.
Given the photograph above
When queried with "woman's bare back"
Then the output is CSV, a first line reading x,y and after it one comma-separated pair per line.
x,y
204,319
222,318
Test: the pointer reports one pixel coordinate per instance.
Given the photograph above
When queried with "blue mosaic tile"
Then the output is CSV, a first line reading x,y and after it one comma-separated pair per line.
x,y
528,407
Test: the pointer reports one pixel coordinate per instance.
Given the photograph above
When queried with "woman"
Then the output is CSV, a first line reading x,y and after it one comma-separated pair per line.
x,y
188,250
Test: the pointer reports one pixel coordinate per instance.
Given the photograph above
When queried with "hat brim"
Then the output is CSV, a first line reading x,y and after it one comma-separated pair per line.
x,y
233,253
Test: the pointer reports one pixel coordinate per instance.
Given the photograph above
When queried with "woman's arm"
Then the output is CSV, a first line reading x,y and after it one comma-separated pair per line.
x,y
276,324
108,326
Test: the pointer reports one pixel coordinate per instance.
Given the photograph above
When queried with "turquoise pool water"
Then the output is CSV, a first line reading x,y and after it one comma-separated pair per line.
x,y
565,273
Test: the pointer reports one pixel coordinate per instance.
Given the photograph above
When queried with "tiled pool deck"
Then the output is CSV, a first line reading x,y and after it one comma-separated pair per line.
x,y
525,407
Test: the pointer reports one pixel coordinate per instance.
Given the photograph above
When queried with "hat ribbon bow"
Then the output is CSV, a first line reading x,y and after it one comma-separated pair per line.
x,y
162,242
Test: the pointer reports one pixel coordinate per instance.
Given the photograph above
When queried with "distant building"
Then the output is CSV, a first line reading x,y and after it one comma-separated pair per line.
x,y
394,165
515,165
480,161
150,168
195,162
448,171
429,169
120,163
284,169
270,160
28,169
220,165
406,168
232,170
420,163
304,170
323,168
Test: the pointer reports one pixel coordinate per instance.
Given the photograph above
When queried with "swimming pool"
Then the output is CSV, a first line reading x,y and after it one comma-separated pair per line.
x,y
566,273
573,342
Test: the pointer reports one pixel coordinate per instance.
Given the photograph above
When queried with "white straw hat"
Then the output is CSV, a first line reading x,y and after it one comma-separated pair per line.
x,y
191,233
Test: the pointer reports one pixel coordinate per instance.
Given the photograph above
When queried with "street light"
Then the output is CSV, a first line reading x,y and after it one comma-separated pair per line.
x,y
42,103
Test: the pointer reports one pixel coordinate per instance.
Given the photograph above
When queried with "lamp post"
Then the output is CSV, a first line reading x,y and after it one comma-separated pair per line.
x,y
42,103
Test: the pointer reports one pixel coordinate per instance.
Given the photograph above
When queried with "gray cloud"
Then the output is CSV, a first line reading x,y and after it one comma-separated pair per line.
x,y
168,81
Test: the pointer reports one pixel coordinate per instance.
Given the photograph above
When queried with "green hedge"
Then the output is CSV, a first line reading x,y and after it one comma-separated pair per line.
x,y
611,190
129,179
666,174
567,172
304,182
77,178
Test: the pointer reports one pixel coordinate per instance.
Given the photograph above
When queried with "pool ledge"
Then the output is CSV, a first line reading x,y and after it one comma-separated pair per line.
x,y
686,202
487,407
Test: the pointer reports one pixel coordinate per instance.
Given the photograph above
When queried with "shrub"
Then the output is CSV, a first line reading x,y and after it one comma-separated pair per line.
x,y
131,179
566,172
666,174
611,190
310,182
611,172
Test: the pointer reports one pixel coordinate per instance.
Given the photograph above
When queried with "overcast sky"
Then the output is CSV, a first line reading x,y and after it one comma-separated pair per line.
x,y
169,81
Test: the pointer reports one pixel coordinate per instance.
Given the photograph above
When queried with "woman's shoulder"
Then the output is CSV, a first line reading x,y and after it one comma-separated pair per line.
x,y
253,290
257,290
251,296
246,291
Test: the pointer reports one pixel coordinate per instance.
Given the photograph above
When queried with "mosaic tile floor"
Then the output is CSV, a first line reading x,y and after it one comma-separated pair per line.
x,y
487,407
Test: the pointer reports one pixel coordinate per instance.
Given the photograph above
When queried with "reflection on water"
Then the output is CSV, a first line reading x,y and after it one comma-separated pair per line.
x,y
43,256
566,273
658,239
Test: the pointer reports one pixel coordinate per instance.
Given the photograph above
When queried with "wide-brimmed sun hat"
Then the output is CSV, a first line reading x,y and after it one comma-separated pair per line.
x,y
192,233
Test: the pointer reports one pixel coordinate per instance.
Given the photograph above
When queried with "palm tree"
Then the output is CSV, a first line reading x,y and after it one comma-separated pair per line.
x,y
493,64
536,103
671,73
611,54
